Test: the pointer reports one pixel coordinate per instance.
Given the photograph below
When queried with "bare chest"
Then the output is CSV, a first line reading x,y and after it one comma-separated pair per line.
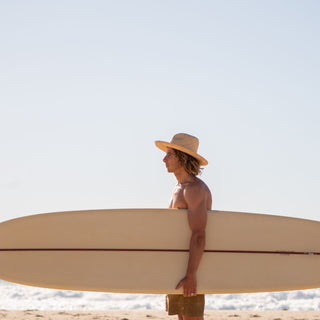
x,y
177,198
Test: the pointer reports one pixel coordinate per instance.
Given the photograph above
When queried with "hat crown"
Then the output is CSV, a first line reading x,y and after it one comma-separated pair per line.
x,y
186,141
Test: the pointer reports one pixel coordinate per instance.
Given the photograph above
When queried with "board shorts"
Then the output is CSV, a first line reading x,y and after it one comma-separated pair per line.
x,y
187,306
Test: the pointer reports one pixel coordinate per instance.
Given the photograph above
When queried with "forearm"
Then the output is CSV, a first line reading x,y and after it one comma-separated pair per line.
x,y
197,245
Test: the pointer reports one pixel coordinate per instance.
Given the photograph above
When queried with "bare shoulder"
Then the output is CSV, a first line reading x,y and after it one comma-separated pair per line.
x,y
197,186
198,192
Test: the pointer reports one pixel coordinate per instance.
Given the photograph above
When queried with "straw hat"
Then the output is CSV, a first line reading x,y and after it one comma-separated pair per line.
x,y
185,143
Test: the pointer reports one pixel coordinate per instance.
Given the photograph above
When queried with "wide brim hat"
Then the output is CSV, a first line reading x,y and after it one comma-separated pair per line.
x,y
185,143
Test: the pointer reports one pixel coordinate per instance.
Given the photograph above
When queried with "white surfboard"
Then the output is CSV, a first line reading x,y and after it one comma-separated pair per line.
x,y
146,251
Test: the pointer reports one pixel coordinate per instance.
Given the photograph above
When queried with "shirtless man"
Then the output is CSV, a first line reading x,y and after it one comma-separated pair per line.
x,y
190,193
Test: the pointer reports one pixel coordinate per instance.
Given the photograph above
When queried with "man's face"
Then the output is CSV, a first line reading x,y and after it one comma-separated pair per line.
x,y
171,160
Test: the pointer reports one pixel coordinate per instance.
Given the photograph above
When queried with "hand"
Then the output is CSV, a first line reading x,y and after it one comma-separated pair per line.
x,y
189,285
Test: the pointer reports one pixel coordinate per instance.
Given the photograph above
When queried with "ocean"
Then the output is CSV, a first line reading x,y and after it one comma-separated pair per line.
x,y
19,297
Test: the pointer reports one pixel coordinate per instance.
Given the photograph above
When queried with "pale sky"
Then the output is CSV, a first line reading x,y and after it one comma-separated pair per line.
x,y
87,86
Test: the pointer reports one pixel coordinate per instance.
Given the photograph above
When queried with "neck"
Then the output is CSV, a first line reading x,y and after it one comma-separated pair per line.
x,y
182,176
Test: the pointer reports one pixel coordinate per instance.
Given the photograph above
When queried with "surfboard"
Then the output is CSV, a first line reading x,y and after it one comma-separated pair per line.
x,y
146,251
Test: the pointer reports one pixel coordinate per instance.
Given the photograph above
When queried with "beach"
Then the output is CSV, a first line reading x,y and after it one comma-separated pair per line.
x,y
18,302
21,298
155,314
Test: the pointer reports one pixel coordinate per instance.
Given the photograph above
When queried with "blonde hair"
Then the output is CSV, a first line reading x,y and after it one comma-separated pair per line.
x,y
190,164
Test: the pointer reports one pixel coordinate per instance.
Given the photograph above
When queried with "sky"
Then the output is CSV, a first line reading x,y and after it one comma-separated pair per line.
x,y
86,87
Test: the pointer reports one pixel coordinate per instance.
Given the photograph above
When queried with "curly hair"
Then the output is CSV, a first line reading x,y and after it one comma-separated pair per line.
x,y
190,164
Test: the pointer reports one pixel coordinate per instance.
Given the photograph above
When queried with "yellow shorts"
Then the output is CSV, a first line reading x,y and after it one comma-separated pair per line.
x,y
187,306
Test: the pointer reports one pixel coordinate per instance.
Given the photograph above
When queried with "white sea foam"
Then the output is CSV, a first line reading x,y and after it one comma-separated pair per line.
x,y
18,297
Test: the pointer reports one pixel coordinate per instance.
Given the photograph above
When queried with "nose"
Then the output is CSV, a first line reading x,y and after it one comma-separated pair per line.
x,y
164,159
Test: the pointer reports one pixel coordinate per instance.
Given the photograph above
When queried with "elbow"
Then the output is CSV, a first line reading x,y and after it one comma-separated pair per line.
x,y
199,238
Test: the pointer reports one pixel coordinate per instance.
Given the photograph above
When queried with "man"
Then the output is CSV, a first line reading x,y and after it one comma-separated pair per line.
x,y
190,193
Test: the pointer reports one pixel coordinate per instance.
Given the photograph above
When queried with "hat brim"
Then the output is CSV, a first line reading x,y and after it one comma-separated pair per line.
x,y
162,145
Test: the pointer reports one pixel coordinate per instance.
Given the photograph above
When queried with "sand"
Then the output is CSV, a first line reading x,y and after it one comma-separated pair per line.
x,y
152,314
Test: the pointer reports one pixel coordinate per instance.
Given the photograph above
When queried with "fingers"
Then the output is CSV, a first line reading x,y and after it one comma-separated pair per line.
x,y
179,285
189,292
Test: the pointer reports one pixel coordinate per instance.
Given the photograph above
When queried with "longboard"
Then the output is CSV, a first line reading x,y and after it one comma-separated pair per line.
x,y
146,251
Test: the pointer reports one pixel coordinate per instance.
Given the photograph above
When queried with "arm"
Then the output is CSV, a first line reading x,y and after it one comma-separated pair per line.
x,y
195,197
